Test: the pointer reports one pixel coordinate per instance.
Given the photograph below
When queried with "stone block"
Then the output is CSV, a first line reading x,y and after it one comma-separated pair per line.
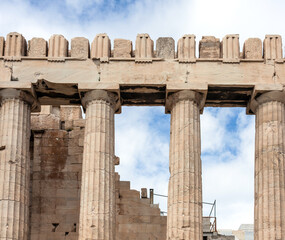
x,y
69,113
37,47
143,193
79,47
15,45
58,46
42,122
79,123
2,43
144,46
116,160
209,47
187,48
165,48
252,49
272,47
230,48
101,47
122,48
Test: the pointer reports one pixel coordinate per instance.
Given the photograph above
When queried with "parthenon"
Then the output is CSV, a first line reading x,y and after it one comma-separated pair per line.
x,y
42,151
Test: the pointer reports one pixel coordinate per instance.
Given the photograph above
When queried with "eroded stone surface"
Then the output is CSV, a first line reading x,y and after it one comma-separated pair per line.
x,y
79,47
37,47
122,48
165,48
209,47
2,42
252,48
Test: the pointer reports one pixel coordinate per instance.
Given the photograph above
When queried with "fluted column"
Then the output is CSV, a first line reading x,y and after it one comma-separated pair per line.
x,y
269,211
184,218
14,164
97,206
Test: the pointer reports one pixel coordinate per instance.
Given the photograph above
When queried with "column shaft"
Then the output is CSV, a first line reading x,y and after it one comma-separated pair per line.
x,y
270,171
97,201
14,169
185,183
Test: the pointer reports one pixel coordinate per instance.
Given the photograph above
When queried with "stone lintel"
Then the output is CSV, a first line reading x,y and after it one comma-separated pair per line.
x,y
19,94
107,96
88,86
183,95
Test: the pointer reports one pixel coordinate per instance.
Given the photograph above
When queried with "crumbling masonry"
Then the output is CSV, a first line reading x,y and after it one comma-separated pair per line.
x,y
58,181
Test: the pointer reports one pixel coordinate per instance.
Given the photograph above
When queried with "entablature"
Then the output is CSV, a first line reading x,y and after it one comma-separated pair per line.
x,y
225,76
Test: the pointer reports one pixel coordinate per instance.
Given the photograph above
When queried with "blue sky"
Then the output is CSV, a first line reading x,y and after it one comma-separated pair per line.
x,y
142,134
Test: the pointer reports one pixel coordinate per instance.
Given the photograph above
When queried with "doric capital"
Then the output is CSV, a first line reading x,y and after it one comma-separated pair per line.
x,y
19,94
278,96
182,96
106,96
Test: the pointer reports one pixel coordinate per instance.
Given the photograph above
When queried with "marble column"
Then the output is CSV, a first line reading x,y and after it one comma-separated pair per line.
x,y
14,163
269,211
97,205
184,218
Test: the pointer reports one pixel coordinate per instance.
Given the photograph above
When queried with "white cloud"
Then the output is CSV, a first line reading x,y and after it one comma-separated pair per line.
x,y
228,175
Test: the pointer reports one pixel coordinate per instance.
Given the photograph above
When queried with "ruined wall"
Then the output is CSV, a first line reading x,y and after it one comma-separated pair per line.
x,y
56,176
56,153
136,218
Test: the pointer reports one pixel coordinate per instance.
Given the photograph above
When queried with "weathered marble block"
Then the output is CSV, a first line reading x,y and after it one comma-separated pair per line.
x,y
165,48
252,48
37,47
15,45
272,47
143,193
58,46
101,47
209,47
187,48
144,46
122,48
79,47
2,42
230,48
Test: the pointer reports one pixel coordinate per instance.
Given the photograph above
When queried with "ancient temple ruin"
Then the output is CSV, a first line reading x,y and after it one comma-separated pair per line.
x,y
57,169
